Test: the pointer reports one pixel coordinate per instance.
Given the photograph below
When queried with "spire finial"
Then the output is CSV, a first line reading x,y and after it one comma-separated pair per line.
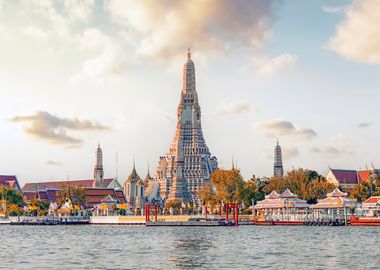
x,y
98,144
188,53
233,165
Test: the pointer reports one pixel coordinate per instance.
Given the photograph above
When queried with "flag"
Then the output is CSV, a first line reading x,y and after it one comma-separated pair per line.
x,y
242,205
183,205
188,205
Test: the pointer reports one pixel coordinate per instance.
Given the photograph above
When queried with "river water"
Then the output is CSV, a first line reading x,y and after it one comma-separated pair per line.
x,y
246,247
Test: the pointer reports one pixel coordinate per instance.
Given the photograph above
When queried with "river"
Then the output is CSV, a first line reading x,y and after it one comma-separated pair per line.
x,y
246,247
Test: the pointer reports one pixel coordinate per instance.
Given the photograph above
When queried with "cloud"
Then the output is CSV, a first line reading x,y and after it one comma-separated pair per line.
x,y
365,124
284,128
108,60
290,153
53,163
358,36
235,107
52,129
327,151
267,67
335,9
79,9
35,32
164,29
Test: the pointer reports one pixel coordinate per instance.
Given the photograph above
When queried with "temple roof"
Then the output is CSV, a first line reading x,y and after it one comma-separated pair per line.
x,y
9,181
345,176
364,175
336,193
288,194
35,186
273,195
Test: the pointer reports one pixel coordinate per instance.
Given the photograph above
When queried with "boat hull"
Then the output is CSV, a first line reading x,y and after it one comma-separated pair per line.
x,y
365,221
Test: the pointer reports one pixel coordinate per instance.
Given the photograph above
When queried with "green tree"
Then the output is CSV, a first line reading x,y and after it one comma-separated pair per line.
x,y
228,185
307,184
76,195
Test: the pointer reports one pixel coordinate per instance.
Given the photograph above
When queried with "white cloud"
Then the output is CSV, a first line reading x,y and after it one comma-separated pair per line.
x,y
235,107
164,29
334,9
284,128
35,32
358,36
290,153
53,129
108,58
267,67
79,9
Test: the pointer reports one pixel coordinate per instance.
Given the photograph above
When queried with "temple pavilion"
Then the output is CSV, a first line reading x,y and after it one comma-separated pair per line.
x,y
337,205
281,207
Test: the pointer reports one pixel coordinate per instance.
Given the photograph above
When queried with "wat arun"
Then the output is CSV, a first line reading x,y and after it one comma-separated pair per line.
x,y
188,164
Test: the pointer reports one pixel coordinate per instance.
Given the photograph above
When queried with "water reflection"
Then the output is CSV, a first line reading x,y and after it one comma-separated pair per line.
x,y
191,249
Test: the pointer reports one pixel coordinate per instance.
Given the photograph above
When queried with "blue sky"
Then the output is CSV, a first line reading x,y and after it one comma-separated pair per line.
x,y
73,73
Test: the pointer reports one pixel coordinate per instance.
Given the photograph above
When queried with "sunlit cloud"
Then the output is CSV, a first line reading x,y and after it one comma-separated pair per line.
x,y
53,129
207,26
268,67
234,107
358,36
275,128
35,32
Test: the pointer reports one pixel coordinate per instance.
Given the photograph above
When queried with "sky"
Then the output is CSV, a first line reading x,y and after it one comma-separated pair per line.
x,y
75,73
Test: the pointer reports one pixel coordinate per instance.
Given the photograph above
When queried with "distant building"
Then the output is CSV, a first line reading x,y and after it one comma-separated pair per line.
x,y
98,169
347,179
97,188
134,189
10,181
278,169
188,164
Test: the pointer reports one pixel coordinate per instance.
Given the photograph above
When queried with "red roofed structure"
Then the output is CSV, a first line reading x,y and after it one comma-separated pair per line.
x,y
35,186
10,181
346,179
364,175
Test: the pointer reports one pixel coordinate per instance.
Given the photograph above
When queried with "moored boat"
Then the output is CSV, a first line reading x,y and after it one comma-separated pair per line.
x,y
368,214
365,221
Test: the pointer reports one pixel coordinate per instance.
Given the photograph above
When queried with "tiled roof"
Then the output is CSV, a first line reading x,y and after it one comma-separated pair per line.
x,y
29,195
58,184
345,176
288,194
364,175
95,196
120,196
9,181
336,193
373,199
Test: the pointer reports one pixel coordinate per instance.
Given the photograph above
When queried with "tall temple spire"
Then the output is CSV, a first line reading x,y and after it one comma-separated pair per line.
x,y
98,169
278,169
188,164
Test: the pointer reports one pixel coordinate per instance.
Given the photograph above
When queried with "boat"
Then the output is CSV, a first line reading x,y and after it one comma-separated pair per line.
x,y
368,214
365,221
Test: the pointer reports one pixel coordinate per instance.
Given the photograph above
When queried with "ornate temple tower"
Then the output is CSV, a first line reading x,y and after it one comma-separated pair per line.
x,y
98,169
188,163
278,169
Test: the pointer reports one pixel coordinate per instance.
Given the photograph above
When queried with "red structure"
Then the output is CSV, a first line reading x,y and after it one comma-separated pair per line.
x,y
148,212
234,207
